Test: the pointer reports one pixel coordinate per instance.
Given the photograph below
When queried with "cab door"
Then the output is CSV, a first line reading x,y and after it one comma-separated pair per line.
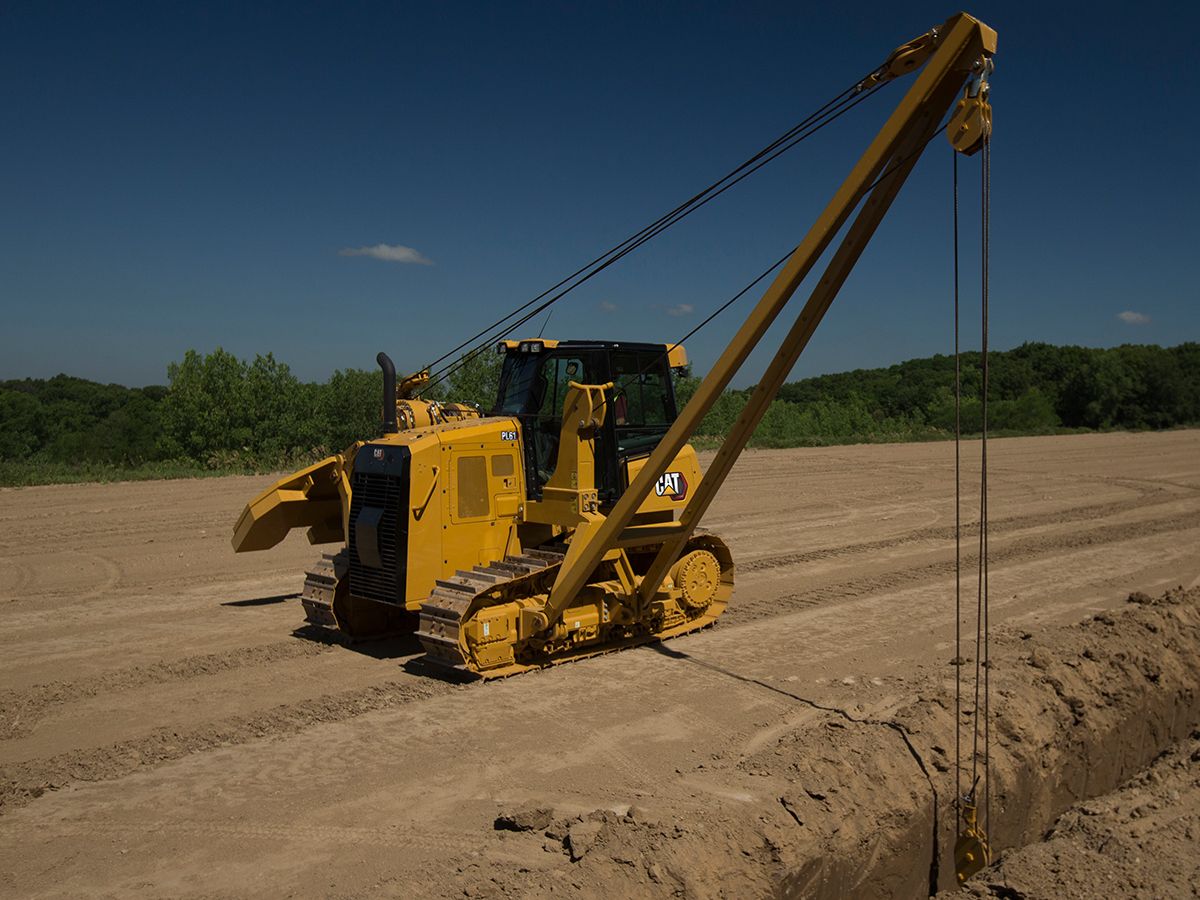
x,y
642,409
541,419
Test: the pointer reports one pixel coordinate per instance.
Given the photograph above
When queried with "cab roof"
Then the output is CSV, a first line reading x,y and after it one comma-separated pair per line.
x,y
676,354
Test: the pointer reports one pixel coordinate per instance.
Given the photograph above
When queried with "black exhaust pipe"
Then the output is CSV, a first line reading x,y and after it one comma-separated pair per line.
x,y
389,392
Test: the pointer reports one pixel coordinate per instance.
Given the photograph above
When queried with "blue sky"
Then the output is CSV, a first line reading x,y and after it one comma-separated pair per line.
x,y
183,176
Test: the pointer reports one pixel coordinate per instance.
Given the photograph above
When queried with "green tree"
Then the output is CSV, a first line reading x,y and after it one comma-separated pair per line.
x,y
203,412
1032,412
21,424
350,407
475,379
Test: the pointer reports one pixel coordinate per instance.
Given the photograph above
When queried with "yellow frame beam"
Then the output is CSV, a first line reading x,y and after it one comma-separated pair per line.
x,y
959,44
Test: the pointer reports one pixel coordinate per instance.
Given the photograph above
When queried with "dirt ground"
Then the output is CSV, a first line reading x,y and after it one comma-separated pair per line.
x,y
163,731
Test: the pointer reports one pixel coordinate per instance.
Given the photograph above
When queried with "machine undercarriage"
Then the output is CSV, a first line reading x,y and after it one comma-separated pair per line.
x,y
472,620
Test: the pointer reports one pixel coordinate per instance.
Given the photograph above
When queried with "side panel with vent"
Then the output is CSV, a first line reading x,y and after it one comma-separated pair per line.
x,y
378,539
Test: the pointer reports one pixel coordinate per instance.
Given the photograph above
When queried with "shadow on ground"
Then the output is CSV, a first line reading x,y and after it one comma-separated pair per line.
x,y
261,601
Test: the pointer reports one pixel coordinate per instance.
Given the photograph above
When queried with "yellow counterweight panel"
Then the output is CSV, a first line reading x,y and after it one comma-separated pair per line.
x,y
316,497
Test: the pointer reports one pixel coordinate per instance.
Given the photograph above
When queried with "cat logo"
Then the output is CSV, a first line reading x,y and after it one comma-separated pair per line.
x,y
378,454
671,484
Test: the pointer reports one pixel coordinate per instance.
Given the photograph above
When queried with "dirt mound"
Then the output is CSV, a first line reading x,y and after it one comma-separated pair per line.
x,y
863,804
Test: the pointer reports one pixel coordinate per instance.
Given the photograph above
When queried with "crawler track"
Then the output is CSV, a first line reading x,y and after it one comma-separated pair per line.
x,y
529,574
320,588
446,610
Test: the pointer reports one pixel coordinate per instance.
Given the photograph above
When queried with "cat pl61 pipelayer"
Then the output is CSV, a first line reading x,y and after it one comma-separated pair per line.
x,y
564,523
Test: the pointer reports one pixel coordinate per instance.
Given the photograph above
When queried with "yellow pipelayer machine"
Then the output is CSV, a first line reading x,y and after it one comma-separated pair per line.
x,y
563,523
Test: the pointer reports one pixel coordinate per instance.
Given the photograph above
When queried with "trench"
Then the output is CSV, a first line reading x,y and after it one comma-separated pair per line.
x,y
862,805
1077,711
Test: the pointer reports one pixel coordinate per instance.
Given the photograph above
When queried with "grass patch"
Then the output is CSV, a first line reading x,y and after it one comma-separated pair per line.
x,y
27,473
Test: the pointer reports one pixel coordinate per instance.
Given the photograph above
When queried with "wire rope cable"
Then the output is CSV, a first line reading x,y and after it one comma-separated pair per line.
x,y
887,173
985,254
982,723
816,121
787,135
958,657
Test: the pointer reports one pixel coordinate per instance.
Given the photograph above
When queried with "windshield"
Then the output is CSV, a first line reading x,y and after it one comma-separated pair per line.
x,y
516,382
537,383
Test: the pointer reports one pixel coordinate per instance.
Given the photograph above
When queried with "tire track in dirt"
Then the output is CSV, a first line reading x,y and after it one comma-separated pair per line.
x,y
969,529
24,782
384,835
765,607
17,580
21,710
113,573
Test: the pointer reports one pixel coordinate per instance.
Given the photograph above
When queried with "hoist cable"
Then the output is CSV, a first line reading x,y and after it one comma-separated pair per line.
x,y
666,352
985,253
874,184
982,638
826,115
734,299
887,173
958,657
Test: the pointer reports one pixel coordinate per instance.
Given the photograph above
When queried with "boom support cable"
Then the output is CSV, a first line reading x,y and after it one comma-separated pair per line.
x,y
663,223
887,173
825,115
787,135
666,351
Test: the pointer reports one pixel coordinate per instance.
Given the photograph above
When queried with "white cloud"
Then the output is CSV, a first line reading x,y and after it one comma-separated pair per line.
x,y
607,306
681,309
389,253
1129,317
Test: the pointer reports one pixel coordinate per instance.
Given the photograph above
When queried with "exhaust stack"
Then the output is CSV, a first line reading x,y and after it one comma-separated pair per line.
x,y
389,392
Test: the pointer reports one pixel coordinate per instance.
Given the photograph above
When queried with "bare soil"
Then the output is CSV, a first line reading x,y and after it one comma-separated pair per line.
x,y
164,731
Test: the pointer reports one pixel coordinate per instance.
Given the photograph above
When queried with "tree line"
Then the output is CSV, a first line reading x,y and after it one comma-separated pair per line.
x,y
221,413
1033,389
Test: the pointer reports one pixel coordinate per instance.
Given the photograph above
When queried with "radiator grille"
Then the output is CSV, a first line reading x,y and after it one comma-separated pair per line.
x,y
387,492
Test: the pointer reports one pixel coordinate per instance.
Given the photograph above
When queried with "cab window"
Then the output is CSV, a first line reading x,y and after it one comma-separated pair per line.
x,y
517,378
640,398
556,376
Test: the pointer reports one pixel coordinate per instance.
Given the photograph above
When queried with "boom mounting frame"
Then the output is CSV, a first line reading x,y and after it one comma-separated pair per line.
x,y
960,48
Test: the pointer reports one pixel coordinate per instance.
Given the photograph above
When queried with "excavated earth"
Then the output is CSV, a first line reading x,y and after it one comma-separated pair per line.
x,y
1139,841
166,730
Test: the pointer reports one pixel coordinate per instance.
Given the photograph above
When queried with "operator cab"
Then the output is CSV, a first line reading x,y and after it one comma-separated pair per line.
x,y
533,387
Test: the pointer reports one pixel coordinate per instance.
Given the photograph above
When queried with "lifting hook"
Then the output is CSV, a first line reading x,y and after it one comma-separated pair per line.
x,y
971,851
